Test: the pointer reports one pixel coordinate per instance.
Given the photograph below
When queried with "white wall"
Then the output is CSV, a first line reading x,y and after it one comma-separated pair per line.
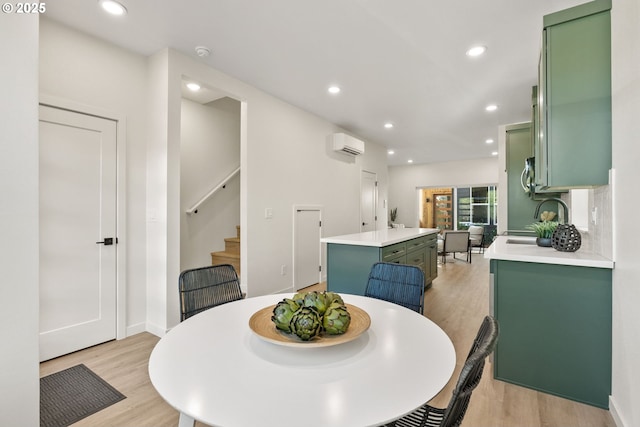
x,y
279,142
285,159
19,373
85,70
624,406
404,180
160,239
210,151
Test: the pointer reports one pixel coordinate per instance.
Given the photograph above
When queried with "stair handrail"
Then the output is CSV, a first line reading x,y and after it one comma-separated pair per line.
x,y
194,209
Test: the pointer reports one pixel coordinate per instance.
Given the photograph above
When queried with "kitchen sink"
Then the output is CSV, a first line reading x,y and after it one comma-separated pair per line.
x,y
521,241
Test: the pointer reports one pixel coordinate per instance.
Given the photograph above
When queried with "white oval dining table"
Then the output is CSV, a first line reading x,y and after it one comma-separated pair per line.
x,y
214,369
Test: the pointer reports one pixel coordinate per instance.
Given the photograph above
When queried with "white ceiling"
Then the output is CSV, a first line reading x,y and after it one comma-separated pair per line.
x,y
401,61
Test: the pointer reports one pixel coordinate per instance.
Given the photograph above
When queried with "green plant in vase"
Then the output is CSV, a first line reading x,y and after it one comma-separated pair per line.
x,y
544,230
393,214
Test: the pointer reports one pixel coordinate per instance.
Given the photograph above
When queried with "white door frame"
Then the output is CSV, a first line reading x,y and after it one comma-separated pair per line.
x,y
293,263
375,198
121,207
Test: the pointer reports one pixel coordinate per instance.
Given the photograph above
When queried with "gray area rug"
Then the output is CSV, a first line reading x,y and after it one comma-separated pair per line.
x,y
73,394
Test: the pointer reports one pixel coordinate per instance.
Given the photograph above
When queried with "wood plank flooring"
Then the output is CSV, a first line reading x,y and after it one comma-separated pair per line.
x,y
457,302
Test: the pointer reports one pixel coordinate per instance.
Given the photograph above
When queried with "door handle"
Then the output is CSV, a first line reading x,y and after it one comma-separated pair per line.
x,y
107,241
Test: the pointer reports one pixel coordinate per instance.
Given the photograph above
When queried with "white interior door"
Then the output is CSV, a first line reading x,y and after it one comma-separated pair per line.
x,y
77,212
307,234
368,198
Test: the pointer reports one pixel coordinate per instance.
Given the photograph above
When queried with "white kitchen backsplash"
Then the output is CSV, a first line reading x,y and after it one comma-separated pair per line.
x,y
596,223
601,220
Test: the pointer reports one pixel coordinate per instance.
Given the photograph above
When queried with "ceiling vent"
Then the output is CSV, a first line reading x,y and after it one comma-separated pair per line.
x,y
346,144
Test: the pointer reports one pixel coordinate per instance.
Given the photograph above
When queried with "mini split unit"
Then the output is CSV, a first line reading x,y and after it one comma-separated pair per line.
x,y
346,144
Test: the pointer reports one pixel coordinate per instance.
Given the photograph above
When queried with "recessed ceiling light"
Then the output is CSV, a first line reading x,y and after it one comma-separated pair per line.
x,y
409,161
113,7
391,152
203,51
491,107
489,141
476,51
193,86
334,90
388,125
494,153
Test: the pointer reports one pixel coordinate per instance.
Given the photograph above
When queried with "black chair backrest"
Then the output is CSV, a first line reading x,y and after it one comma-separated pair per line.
x,y
206,287
397,283
483,346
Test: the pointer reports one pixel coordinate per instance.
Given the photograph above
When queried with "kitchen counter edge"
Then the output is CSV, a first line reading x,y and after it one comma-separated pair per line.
x,y
502,250
380,238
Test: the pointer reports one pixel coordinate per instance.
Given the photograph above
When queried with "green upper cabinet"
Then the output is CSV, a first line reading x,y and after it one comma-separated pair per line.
x,y
573,146
520,207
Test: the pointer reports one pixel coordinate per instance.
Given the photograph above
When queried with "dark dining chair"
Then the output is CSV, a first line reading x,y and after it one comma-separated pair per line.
x,y
398,283
452,415
206,287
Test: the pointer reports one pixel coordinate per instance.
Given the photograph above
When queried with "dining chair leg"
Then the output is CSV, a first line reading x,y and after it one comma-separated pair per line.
x,y
186,421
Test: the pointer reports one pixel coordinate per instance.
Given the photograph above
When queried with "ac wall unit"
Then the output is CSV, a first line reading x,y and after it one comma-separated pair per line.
x,y
346,144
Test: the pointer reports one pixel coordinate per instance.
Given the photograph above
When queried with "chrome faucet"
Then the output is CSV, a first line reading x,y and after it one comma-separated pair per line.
x,y
553,199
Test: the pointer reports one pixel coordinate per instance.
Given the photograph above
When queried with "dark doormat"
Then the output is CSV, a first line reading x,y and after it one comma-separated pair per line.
x,y
73,394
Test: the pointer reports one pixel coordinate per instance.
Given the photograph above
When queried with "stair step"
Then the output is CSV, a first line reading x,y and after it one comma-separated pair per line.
x,y
232,245
224,257
225,254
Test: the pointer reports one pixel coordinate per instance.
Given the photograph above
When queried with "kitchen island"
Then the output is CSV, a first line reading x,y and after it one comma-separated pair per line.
x,y
350,256
554,310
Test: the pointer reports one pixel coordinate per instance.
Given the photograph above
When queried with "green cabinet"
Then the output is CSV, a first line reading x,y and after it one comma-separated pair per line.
x,y
394,253
555,328
423,252
417,253
521,203
520,207
348,266
573,147
431,269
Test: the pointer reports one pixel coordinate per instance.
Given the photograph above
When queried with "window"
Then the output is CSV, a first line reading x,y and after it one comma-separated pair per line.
x,y
479,206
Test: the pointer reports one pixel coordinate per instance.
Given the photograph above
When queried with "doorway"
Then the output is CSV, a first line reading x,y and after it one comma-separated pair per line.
x,y
368,201
78,241
436,208
307,260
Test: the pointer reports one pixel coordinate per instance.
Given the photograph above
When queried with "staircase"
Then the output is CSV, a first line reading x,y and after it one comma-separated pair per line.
x,y
231,253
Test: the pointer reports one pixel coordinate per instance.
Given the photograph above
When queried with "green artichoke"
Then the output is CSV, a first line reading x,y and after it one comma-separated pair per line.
x,y
306,323
283,312
316,300
299,298
332,296
336,319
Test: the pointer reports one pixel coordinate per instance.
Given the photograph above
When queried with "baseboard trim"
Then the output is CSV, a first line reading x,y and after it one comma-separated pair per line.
x,y
155,330
135,329
615,414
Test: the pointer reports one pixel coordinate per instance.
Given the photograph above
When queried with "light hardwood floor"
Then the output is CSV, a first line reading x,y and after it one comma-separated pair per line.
x,y
457,302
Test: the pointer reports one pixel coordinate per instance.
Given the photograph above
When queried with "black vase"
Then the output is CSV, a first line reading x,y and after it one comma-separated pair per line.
x,y
566,238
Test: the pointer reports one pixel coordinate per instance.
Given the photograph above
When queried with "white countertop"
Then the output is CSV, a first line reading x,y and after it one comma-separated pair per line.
x,y
380,238
500,249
